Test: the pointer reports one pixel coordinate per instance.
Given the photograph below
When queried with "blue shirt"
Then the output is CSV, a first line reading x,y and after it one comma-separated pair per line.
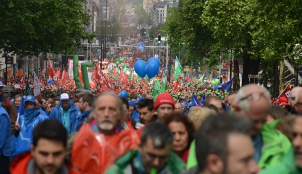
x,y
258,143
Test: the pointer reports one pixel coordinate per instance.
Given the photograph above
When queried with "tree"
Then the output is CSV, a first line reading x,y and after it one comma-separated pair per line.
x,y
32,27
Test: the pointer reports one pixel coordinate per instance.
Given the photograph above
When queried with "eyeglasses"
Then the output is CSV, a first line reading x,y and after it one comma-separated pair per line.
x,y
253,97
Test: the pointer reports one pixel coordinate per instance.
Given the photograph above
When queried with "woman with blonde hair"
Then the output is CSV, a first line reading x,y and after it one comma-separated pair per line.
x,y
199,114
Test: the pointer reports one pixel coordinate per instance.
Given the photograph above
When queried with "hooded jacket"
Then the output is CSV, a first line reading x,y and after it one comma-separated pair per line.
x,y
21,165
5,129
81,119
123,164
56,114
24,136
287,166
275,147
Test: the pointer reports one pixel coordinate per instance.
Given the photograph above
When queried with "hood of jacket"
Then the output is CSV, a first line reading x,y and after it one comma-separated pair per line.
x,y
175,164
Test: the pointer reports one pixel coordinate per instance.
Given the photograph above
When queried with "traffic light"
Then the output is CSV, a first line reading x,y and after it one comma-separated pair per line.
x,y
179,43
159,39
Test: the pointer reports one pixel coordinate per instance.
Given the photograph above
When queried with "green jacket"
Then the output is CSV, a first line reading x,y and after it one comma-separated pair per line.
x,y
275,147
287,166
123,164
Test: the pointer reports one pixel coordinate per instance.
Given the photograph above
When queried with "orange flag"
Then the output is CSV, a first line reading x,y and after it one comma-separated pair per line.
x,y
51,71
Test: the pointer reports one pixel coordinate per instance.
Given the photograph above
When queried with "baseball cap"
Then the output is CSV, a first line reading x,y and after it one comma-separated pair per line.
x,y
30,98
131,103
138,99
163,98
64,96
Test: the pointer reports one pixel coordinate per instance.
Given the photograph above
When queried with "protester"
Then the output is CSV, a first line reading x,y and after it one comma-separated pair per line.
x,y
163,105
128,122
253,101
146,111
10,109
215,101
47,153
85,103
5,140
230,100
178,107
285,126
297,105
43,105
183,133
26,125
292,99
276,114
102,136
197,116
292,162
17,100
154,154
65,112
224,146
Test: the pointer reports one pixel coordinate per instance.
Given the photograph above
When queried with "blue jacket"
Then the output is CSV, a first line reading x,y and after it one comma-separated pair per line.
x,y
81,118
44,112
5,130
24,138
56,114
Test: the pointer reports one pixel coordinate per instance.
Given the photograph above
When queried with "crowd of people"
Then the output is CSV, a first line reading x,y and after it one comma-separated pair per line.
x,y
129,131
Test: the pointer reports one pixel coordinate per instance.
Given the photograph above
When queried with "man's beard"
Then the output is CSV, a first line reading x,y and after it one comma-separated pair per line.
x,y
106,124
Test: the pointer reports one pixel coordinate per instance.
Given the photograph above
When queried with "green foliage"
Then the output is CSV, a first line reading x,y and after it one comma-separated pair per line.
x,y
32,27
142,15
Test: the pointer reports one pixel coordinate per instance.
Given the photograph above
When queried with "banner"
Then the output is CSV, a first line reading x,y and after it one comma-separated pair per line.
x,y
37,90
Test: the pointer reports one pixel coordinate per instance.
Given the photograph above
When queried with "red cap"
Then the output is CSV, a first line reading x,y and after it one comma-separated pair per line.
x,y
163,98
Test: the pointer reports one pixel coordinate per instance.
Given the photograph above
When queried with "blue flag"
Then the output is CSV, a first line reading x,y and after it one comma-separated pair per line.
x,y
225,86
21,107
195,100
202,99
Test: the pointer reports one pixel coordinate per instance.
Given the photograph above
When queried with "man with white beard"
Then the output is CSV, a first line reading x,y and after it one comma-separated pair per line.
x,y
99,143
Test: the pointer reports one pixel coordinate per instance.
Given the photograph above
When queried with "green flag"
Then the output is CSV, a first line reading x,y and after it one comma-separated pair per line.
x,y
27,89
201,79
147,79
156,88
125,69
130,76
177,70
164,86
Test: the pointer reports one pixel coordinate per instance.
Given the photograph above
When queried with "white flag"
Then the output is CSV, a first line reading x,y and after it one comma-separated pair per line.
x,y
37,90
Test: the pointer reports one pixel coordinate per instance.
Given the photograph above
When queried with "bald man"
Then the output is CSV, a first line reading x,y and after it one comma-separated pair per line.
x,y
253,101
178,107
292,99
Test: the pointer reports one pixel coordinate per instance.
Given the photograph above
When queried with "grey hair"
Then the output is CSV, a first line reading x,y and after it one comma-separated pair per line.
x,y
120,103
297,96
245,104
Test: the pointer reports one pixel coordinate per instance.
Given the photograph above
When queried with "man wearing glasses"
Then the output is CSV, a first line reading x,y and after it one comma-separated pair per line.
x,y
253,101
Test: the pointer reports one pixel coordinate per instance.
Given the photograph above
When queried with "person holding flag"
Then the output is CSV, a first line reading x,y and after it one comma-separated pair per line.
x,y
26,124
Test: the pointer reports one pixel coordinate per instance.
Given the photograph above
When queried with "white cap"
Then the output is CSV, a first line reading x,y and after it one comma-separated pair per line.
x,y
64,96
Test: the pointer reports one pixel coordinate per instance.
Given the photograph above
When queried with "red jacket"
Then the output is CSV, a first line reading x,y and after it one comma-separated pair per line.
x,y
19,165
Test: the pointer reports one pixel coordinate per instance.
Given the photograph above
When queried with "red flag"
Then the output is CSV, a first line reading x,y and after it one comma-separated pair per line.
x,y
43,71
115,71
144,82
80,74
284,95
188,78
103,80
123,77
51,71
175,84
63,78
